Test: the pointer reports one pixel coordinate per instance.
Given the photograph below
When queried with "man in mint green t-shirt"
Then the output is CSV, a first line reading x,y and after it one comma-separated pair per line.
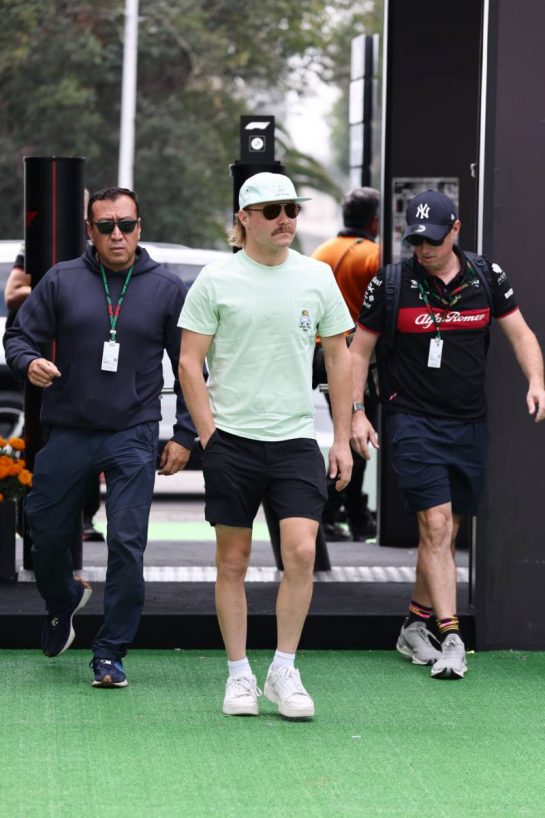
x,y
255,318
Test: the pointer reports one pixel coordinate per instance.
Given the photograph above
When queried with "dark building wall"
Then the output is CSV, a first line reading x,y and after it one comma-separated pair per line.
x,y
510,554
433,95
432,130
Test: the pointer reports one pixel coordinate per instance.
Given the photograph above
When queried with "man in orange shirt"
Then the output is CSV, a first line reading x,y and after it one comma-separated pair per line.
x,y
354,258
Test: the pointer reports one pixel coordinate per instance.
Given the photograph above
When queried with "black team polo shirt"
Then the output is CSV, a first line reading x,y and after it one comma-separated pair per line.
x,y
456,389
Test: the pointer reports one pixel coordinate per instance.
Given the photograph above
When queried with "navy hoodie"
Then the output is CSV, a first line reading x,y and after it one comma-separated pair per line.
x,y
68,306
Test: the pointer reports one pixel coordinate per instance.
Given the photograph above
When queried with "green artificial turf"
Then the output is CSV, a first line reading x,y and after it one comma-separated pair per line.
x,y
387,740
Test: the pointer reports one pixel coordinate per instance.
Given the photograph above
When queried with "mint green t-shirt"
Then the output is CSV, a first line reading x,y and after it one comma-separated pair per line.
x,y
264,321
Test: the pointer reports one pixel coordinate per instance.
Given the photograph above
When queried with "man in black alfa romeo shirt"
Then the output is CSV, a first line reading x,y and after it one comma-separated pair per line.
x,y
436,405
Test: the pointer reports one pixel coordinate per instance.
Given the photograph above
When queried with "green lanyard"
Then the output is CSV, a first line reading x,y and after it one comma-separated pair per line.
x,y
114,314
424,293
468,280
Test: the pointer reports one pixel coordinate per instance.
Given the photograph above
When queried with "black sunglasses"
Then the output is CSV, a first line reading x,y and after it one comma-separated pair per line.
x,y
272,211
107,226
417,241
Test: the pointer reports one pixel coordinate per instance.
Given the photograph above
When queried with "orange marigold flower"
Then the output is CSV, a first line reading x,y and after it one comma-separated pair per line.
x,y
16,443
25,477
3,441
14,469
5,461
3,471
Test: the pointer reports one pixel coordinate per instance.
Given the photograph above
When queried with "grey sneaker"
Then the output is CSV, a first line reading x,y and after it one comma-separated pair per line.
x,y
416,642
452,664
285,688
241,696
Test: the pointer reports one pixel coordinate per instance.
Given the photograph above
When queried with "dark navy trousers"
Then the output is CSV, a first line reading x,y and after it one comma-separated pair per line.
x,y
63,470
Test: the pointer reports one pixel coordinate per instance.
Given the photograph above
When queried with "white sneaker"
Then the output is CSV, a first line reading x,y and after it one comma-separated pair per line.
x,y
284,688
241,695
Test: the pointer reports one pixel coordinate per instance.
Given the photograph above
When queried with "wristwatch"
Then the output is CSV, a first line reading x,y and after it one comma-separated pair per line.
x,y
357,406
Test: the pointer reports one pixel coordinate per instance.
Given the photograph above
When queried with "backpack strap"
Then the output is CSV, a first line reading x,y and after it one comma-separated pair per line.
x,y
392,284
484,274
379,382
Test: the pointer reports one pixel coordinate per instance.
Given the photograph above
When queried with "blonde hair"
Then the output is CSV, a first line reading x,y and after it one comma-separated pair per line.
x,y
236,235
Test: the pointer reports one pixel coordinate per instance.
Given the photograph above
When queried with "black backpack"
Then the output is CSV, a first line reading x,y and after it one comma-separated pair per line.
x,y
380,380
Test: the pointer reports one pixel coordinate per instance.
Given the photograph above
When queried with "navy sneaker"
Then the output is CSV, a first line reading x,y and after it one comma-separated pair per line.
x,y
108,673
58,632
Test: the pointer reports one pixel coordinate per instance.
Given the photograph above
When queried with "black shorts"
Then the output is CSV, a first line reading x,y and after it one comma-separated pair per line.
x,y
239,473
439,460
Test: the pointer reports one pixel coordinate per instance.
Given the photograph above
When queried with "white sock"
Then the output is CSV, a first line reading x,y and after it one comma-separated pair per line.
x,y
282,660
239,667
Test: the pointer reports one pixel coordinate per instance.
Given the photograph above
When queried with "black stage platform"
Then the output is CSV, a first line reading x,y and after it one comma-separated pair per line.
x,y
347,614
181,615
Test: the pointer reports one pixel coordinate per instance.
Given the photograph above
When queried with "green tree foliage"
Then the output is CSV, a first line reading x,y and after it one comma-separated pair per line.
x,y
200,66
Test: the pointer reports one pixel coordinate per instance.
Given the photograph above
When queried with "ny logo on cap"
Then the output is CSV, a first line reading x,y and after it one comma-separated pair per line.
x,y
423,211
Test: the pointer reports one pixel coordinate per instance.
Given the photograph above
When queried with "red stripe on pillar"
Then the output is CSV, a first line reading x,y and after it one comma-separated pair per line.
x,y
54,233
54,212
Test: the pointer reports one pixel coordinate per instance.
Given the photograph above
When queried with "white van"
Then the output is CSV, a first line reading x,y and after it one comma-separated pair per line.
x,y
186,262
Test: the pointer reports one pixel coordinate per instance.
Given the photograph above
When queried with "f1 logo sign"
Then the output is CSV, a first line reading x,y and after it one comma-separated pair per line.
x,y
257,142
256,126
257,137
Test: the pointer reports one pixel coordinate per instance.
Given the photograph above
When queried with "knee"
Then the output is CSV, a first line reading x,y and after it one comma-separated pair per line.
x,y
436,528
300,558
232,567
50,528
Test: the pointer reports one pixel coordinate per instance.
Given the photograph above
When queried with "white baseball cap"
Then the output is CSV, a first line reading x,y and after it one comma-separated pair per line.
x,y
268,187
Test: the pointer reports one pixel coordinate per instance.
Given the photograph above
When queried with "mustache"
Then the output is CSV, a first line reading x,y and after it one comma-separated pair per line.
x,y
283,230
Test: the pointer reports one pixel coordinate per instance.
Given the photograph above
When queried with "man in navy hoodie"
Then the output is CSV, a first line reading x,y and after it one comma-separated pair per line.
x,y
111,314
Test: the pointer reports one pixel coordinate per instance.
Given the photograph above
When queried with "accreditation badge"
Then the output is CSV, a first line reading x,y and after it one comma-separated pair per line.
x,y
110,356
436,351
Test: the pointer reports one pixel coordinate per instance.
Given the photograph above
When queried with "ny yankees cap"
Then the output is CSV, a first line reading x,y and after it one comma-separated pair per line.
x,y
430,214
267,187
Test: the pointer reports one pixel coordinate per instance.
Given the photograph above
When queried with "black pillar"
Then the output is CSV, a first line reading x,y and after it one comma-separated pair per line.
x,y
256,152
510,581
8,510
430,140
54,232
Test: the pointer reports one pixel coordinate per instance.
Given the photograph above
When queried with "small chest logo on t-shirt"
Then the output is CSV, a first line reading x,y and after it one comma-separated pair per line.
x,y
416,319
305,321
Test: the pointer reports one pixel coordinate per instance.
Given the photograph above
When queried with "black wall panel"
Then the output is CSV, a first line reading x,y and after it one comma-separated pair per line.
x,y
432,130
510,554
